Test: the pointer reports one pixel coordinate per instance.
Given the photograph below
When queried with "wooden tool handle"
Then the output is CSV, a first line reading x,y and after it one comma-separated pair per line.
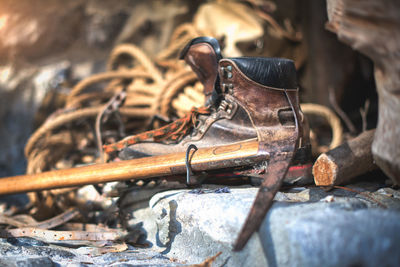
x,y
239,154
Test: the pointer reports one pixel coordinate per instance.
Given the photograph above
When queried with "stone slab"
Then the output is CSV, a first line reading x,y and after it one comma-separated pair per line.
x,y
305,227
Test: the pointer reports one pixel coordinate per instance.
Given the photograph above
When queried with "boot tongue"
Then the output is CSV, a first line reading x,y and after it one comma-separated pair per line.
x,y
202,54
215,98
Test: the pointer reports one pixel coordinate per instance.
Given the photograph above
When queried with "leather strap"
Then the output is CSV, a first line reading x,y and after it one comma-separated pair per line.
x,y
281,156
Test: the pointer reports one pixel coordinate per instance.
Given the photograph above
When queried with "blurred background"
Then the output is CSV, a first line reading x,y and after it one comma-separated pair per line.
x,y
49,46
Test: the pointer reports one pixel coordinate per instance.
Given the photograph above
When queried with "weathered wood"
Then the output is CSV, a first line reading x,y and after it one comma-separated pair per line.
x,y
373,28
330,63
340,165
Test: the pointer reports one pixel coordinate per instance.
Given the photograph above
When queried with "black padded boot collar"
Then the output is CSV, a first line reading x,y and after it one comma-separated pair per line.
x,y
273,72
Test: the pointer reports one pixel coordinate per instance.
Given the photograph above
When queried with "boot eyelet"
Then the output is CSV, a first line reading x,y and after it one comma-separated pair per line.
x,y
223,105
224,87
227,72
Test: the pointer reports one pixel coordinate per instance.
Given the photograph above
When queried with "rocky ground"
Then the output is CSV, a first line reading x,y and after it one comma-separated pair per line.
x,y
356,226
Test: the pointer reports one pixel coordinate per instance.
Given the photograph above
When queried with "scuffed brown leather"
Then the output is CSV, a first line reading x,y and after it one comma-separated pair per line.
x,y
203,61
221,132
263,104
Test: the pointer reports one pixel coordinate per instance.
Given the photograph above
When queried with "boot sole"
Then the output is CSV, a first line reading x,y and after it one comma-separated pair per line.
x,y
297,175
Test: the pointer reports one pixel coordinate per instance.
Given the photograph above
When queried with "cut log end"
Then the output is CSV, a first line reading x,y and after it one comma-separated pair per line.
x,y
342,164
326,171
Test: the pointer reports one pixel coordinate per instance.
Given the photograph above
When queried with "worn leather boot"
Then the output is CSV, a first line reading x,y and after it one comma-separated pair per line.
x,y
247,99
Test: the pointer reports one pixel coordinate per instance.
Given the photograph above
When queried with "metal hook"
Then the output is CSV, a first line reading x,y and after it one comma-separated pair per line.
x,y
189,171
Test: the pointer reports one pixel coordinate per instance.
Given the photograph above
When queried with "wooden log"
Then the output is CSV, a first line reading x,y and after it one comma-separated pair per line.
x,y
373,28
340,165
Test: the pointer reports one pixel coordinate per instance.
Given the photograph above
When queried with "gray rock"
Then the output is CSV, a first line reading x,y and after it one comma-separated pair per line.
x,y
305,227
141,257
26,262
31,252
24,250
331,234
196,226
25,242
16,109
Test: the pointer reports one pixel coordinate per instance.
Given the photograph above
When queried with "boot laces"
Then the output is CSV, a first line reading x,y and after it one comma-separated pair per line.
x,y
171,133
